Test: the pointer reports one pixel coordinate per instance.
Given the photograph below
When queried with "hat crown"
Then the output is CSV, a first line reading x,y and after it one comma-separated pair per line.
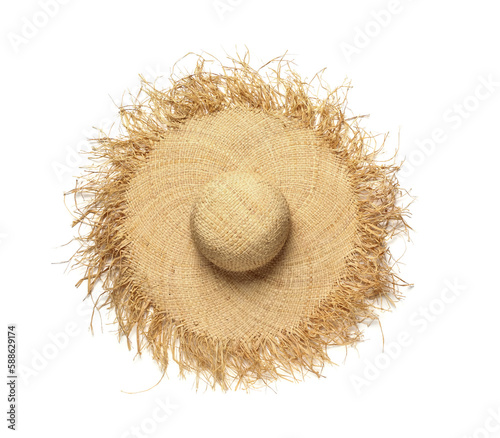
x,y
240,221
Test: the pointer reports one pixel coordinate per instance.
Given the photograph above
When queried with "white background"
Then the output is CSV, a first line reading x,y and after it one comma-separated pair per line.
x,y
415,66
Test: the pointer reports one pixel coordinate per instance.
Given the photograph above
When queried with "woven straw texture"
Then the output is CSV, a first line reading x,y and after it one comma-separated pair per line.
x,y
240,226
240,221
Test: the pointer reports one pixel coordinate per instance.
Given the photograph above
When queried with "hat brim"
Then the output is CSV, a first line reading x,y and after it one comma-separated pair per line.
x,y
265,302
235,329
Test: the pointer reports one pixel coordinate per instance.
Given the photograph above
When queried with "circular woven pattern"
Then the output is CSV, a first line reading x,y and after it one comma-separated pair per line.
x,y
259,303
240,226
240,221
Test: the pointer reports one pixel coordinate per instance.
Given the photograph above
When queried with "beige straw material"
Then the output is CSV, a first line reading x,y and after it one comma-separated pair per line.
x,y
296,168
240,221
240,225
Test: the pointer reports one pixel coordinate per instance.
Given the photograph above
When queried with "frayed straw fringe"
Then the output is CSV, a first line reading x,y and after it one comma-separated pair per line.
x,y
369,280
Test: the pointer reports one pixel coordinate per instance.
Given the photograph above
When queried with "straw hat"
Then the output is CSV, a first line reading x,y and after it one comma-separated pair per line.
x,y
240,225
